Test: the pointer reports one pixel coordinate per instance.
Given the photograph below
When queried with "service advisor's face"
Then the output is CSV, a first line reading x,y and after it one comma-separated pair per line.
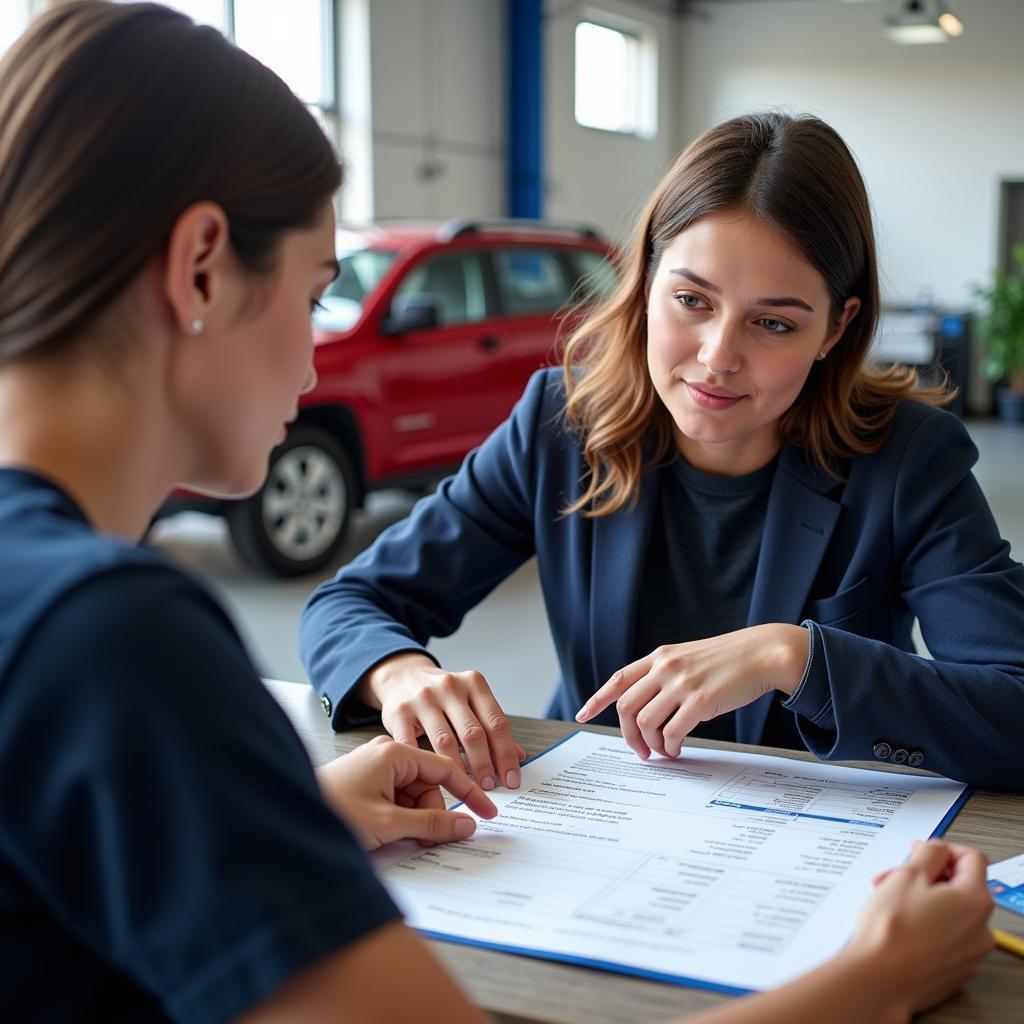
x,y
263,362
736,317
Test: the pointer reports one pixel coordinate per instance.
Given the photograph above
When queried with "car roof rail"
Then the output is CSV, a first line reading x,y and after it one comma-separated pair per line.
x,y
459,226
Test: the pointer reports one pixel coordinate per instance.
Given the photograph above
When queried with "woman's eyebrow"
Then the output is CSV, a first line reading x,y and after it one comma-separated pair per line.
x,y
785,300
782,300
696,279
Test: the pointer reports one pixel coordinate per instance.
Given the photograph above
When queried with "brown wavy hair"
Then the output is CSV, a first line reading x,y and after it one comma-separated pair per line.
x,y
114,118
795,174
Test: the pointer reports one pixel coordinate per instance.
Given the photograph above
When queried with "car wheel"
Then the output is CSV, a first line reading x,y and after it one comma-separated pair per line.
x,y
297,521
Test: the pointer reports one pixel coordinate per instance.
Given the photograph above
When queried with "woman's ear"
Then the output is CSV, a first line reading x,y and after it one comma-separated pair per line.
x,y
197,253
850,309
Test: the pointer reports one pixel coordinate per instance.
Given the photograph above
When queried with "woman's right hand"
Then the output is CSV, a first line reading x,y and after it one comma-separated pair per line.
x,y
387,791
452,709
926,926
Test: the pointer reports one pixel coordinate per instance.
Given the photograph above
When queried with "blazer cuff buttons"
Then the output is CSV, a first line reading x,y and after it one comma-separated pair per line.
x,y
885,751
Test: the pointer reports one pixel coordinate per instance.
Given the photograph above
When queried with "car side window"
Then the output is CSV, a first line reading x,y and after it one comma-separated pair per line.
x,y
530,281
595,275
454,281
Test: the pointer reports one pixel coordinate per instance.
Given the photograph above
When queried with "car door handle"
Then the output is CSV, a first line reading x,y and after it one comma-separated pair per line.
x,y
488,343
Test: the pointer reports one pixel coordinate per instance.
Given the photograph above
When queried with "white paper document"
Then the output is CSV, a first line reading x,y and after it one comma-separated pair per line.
x,y
731,870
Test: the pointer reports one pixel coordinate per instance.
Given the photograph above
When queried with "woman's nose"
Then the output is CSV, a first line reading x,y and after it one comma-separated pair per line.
x,y
719,351
310,381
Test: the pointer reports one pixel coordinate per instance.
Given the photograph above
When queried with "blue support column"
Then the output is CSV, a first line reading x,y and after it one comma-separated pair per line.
x,y
525,95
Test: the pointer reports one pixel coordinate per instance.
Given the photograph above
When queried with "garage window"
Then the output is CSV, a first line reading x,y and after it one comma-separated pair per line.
x,y
14,16
294,39
616,79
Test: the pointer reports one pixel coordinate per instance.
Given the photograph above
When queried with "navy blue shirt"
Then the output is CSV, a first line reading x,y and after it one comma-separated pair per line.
x,y
165,852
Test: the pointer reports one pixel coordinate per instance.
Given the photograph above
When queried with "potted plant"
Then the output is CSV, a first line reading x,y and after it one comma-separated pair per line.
x,y
1002,330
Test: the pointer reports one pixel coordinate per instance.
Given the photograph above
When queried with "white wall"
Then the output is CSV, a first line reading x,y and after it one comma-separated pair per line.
x,y
935,128
596,176
438,107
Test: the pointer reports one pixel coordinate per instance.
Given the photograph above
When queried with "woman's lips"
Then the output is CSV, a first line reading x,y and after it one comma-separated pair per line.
x,y
708,397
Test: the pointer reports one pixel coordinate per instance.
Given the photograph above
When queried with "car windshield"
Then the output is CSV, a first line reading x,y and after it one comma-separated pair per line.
x,y
359,273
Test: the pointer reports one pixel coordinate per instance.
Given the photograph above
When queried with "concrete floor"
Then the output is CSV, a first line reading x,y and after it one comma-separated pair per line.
x,y
506,636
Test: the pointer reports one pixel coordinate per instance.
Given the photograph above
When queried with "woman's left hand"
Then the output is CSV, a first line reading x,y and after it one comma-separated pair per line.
x,y
663,696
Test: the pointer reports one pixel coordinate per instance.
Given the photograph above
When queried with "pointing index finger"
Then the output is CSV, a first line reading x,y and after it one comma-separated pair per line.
x,y
612,690
440,771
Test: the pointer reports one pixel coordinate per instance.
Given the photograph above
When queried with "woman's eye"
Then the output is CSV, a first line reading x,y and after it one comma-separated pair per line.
x,y
689,301
316,306
773,326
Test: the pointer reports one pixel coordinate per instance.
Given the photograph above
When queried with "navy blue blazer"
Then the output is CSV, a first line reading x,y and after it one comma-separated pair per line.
x,y
906,534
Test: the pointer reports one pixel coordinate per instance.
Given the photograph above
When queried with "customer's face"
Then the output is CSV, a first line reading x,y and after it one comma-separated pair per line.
x,y
736,317
259,364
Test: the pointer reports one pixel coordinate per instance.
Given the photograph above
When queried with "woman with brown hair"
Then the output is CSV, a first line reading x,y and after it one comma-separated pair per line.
x,y
736,519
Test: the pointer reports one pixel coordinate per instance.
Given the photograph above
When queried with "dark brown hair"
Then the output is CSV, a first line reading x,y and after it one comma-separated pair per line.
x,y
794,174
113,120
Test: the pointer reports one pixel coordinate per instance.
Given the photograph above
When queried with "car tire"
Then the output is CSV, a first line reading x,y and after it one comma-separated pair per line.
x,y
296,523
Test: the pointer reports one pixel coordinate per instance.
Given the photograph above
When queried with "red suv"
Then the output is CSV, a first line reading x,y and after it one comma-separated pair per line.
x,y
426,339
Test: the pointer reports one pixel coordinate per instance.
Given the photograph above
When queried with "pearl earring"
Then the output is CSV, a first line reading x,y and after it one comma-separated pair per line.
x,y
197,326
820,356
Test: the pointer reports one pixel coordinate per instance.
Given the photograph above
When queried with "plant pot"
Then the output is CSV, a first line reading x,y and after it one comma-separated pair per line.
x,y
1010,405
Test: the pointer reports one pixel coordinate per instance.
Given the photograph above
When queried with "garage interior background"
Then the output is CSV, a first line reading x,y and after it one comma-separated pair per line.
x,y
417,94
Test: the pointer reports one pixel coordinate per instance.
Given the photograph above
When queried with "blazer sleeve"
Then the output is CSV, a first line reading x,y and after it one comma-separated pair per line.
x,y
963,710
423,574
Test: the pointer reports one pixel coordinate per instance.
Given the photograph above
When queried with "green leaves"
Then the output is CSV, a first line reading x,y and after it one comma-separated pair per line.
x,y
1002,323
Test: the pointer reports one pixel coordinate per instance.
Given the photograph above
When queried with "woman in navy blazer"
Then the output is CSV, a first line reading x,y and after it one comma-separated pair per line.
x,y
736,344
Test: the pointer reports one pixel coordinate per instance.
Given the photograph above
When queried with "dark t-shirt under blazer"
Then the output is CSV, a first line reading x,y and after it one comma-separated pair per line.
x,y
900,534
164,849
699,571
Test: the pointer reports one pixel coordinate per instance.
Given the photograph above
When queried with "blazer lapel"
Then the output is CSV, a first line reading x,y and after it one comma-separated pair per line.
x,y
797,529
620,543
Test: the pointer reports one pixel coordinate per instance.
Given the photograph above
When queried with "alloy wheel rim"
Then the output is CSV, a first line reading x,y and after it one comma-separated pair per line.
x,y
304,501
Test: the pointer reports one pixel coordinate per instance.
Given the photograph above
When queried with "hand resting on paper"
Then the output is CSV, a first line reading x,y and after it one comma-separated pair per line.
x,y
452,709
920,938
930,918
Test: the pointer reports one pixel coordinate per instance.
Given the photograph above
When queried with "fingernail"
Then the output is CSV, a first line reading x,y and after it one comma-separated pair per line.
x,y
512,779
581,715
465,827
487,782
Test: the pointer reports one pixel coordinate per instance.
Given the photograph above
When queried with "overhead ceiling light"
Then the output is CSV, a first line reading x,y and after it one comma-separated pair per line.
x,y
923,21
951,24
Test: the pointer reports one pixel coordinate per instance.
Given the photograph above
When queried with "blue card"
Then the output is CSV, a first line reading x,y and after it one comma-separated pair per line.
x,y
1006,883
